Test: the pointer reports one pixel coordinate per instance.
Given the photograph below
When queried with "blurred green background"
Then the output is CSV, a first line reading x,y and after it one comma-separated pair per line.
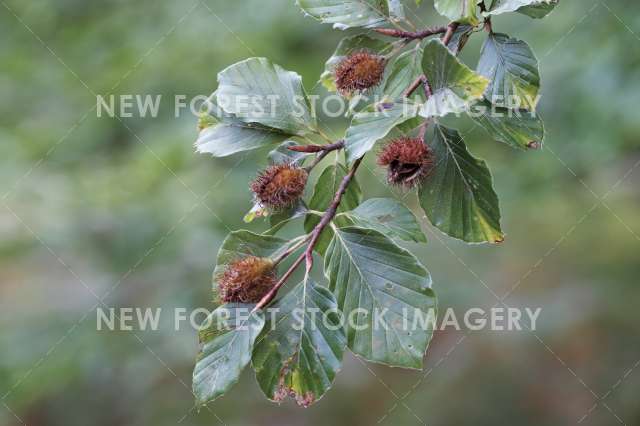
x,y
126,211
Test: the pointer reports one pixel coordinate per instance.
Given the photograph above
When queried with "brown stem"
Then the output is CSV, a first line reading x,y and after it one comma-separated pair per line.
x,y
421,80
427,87
317,148
487,25
320,157
413,86
423,129
333,207
290,250
328,215
411,35
322,150
451,28
272,293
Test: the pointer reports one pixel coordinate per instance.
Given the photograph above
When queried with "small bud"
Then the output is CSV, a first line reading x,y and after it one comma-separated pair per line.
x,y
358,72
408,161
280,186
247,280
205,120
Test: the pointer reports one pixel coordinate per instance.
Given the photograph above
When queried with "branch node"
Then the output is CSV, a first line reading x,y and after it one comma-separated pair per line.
x,y
451,28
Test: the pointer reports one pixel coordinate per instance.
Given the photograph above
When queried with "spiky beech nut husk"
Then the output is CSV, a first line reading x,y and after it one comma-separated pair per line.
x,y
279,186
247,280
408,161
358,72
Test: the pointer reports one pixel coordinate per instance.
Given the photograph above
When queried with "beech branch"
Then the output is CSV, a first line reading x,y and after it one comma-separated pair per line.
x,y
330,213
323,150
419,35
411,35
317,148
307,255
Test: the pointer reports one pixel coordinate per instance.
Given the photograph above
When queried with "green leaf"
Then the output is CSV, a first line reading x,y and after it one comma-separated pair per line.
x,y
324,191
279,219
346,47
242,243
539,10
455,87
403,71
300,349
458,195
396,9
224,134
532,8
512,69
387,216
374,123
344,14
226,345
461,11
258,91
517,128
384,285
